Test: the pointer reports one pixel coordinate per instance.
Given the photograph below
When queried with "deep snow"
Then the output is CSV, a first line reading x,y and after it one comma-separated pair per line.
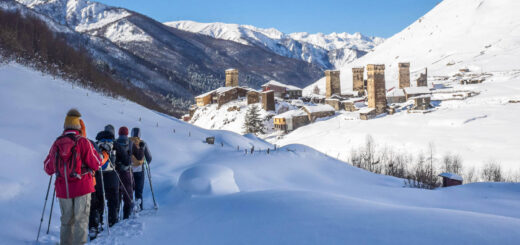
x,y
295,195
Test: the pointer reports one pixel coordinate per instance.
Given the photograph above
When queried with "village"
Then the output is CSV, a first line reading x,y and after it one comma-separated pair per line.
x,y
289,109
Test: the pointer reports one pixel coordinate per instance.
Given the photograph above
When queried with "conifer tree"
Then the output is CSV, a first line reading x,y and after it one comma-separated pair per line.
x,y
253,122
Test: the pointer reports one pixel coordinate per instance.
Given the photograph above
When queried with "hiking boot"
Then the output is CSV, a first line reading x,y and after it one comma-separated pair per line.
x,y
92,233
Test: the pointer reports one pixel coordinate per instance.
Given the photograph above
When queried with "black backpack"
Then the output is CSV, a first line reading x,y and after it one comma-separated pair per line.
x,y
123,154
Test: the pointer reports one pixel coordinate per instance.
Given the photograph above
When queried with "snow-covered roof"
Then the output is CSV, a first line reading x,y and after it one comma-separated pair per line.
x,y
451,176
421,96
231,69
218,90
395,93
279,84
366,110
417,90
291,114
318,108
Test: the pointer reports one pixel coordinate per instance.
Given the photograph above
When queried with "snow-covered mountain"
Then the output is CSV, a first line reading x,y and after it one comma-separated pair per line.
x,y
482,35
172,64
329,51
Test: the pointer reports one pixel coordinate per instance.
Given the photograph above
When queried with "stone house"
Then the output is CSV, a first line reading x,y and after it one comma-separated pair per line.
x,y
416,91
282,90
367,113
422,102
422,81
318,111
291,120
253,97
395,95
335,103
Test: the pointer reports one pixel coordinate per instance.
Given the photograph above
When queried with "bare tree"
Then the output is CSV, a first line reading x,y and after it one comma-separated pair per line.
x,y
492,172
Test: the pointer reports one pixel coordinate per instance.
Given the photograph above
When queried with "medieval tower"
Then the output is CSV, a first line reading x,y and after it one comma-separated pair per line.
x,y
332,85
268,100
231,78
404,75
376,88
422,81
358,83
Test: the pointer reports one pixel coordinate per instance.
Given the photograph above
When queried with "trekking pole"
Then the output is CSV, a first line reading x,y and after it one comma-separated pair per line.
x,y
44,206
105,210
149,173
126,192
52,208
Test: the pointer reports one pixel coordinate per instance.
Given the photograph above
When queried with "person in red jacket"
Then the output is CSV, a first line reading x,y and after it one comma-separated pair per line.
x,y
74,160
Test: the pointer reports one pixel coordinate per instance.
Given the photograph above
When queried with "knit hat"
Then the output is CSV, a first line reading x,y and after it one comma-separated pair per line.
x,y
111,129
136,132
123,130
72,120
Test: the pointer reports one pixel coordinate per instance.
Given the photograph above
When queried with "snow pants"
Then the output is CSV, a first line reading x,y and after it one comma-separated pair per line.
x,y
74,219
126,192
139,186
97,208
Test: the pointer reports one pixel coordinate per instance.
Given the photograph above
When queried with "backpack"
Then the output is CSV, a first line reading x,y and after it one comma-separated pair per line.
x,y
68,164
122,162
135,162
103,145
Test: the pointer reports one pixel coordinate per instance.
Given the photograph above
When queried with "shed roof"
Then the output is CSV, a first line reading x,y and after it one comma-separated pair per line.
x,y
417,90
395,93
451,176
365,110
279,84
291,114
318,108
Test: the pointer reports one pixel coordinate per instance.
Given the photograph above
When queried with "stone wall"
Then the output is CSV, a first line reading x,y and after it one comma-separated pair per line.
x,y
231,78
404,75
376,88
253,97
335,103
226,97
358,82
332,83
268,101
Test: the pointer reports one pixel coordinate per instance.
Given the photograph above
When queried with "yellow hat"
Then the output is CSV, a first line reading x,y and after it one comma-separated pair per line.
x,y
72,120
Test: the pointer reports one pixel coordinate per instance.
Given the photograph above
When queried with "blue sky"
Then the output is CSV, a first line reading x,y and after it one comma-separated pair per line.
x,y
371,17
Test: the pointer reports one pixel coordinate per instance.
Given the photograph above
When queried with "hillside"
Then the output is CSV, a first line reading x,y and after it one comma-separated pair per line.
x,y
328,51
294,195
170,64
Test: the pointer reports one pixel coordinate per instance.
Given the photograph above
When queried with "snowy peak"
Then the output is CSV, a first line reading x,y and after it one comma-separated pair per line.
x,y
80,15
328,51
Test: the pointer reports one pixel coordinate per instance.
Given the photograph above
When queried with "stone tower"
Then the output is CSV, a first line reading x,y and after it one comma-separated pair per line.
x,y
268,100
332,85
376,88
422,81
358,82
231,78
404,75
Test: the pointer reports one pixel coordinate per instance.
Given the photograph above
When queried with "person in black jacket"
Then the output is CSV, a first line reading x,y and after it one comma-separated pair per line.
x,y
124,168
137,166
105,145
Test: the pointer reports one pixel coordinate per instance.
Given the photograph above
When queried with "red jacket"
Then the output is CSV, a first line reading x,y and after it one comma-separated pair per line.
x,y
87,158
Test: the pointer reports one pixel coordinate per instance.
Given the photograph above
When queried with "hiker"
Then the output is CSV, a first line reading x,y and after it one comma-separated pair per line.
x,y
105,142
137,165
123,167
73,159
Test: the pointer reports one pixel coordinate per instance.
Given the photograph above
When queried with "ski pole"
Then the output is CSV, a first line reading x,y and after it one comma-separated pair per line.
x,y
149,173
44,206
105,210
126,192
52,208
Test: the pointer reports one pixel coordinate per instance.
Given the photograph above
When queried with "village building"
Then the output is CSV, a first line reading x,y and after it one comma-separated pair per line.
x,y
416,91
358,82
404,75
231,78
221,96
318,111
422,102
335,103
291,120
376,88
332,83
268,100
395,95
422,81
253,97
367,113
186,118
282,90
450,179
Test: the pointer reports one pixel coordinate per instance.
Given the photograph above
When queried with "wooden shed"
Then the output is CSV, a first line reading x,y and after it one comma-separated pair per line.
x,y
450,179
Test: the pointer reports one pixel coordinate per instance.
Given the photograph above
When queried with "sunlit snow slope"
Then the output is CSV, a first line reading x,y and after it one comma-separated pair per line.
x,y
292,196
